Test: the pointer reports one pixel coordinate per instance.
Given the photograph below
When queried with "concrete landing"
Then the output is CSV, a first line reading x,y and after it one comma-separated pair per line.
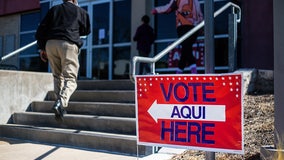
x,y
11,149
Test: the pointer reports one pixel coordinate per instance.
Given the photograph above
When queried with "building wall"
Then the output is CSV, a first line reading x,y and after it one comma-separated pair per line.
x,y
10,26
257,34
136,14
278,73
256,40
16,6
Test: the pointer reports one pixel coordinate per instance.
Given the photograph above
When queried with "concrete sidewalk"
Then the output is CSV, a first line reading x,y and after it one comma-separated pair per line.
x,y
11,149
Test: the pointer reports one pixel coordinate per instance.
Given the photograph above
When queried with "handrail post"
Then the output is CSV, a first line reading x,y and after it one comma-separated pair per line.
x,y
232,42
209,48
209,36
153,68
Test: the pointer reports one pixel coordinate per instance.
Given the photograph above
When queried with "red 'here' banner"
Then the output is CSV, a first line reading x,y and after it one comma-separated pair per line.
x,y
202,112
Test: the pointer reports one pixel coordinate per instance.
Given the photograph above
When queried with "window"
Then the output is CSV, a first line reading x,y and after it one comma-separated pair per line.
x,y
10,43
30,21
29,58
101,24
100,63
165,26
1,46
121,37
122,24
121,60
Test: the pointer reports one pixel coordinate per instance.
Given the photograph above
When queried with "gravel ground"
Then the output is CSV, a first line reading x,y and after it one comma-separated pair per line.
x,y
258,130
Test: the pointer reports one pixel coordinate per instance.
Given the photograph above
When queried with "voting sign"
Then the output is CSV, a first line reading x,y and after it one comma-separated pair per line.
x,y
202,112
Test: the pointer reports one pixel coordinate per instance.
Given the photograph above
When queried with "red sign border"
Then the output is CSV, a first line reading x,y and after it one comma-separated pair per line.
x,y
211,149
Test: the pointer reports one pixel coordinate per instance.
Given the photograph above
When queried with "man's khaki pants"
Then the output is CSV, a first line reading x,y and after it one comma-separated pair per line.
x,y
63,59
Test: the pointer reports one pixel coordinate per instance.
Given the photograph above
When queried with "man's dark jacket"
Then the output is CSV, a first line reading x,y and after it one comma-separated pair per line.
x,y
63,22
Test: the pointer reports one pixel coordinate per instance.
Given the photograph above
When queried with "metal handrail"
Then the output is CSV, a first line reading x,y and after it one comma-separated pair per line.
x,y
17,51
22,49
180,40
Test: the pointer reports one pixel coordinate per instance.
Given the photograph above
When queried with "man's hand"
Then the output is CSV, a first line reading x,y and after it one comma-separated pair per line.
x,y
154,11
43,55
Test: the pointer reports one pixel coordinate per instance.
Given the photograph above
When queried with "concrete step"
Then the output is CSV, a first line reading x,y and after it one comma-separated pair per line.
x,y
89,108
121,96
101,116
105,85
106,124
116,143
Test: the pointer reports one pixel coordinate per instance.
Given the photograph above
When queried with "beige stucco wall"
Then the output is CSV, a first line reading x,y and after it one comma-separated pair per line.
x,y
145,7
10,25
19,89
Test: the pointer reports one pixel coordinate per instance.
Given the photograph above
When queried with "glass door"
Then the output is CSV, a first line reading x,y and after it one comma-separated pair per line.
x,y
106,52
121,39
84,53
101,40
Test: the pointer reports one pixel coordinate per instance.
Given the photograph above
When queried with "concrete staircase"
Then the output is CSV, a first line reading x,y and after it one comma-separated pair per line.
x,y
101,116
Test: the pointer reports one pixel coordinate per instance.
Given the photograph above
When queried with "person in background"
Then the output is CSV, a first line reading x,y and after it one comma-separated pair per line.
x,y
188,15
145,38
58,38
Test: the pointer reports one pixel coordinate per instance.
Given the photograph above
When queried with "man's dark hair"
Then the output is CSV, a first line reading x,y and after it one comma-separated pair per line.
x,y
145,19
